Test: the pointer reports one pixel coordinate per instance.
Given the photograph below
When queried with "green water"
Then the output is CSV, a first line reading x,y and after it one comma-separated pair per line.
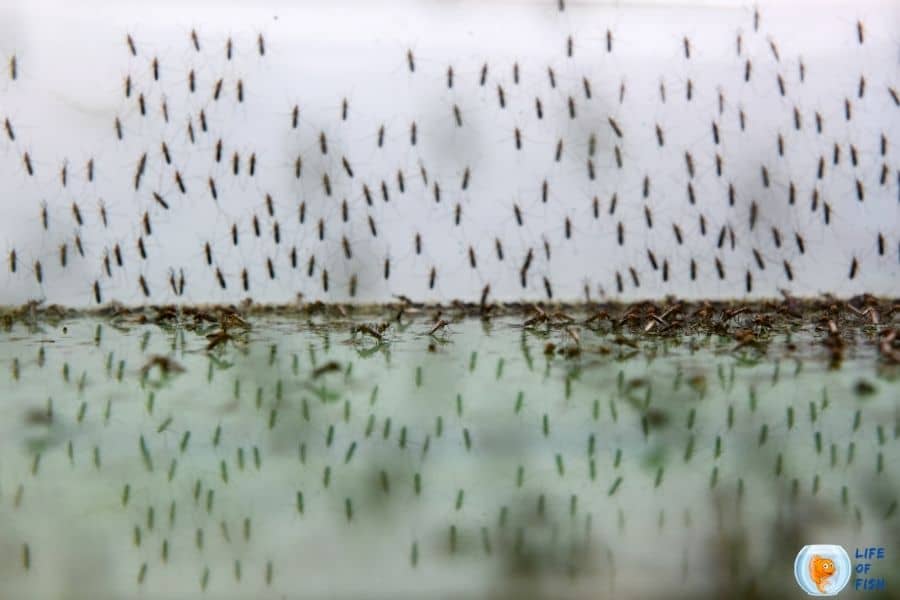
x,y
466,464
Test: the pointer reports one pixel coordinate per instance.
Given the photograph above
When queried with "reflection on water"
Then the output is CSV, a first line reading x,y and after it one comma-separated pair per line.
x,y
302,457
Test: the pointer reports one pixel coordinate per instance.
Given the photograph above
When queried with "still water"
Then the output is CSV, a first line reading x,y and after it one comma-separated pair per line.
x,y
299,457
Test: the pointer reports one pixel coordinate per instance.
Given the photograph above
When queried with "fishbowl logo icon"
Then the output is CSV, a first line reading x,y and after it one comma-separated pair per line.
x,y
822,569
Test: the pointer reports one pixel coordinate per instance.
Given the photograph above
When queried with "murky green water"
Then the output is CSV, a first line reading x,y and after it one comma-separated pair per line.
x,y
305,461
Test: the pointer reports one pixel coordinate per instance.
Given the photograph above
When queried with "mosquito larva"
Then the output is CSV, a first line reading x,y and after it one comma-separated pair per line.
x,y
758,257
615,127
130,41
142,163
689,162
894,95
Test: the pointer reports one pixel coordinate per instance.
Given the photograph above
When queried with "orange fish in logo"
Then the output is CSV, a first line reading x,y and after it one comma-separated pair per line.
x,y
820,570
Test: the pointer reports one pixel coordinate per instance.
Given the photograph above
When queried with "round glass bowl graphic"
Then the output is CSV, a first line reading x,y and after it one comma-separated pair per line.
x,y
822,569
